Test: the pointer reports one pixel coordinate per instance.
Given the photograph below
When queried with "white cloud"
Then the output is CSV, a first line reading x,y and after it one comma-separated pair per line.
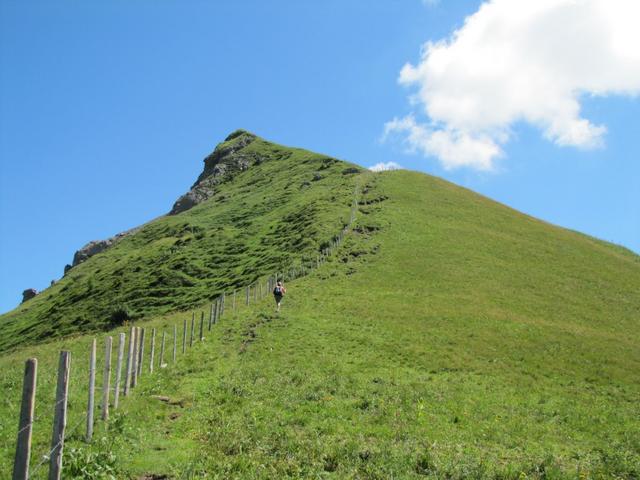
x,y
520,60
384,166
454,148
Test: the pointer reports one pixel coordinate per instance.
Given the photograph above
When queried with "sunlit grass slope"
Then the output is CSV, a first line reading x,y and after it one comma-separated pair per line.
x,y
449,337
282,210
452,337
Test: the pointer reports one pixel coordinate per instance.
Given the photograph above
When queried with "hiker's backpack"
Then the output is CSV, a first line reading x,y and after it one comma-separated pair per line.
x,y
277,290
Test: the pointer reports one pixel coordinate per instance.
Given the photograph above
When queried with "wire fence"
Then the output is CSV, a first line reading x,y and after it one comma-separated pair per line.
x,y
130,363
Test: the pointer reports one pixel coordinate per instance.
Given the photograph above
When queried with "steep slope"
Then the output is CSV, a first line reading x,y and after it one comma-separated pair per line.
x,y
256,207
449,337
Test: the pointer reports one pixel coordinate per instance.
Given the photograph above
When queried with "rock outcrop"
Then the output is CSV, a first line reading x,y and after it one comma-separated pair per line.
x,y
28,294
90,249
226,160
96,246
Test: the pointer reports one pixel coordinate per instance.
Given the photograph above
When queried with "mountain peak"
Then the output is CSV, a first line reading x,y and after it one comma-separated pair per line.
x,y
226,160
237,133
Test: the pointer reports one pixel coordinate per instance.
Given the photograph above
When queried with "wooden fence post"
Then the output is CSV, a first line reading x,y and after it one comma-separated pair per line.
x,y
152,350
161,362
175,342
141,352
193,321
184,336
211,316
136,357
116,390
59,417
131,354
25,425
219,312
92,391
255,292
248,293
222,304
201,326
106,379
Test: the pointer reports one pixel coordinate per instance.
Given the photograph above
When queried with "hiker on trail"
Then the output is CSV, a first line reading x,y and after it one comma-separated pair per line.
x,y
278,293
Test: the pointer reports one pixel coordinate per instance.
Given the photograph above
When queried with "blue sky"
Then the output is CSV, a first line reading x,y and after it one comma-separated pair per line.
x,y
108,108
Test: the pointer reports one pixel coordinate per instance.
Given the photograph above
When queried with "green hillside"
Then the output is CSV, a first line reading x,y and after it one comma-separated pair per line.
x,y
281,209
448,337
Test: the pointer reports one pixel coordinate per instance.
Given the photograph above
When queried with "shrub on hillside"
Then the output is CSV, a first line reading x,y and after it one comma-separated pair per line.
x,y
119,315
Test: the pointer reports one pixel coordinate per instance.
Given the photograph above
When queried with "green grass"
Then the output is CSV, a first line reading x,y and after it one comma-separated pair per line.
x,y
449,337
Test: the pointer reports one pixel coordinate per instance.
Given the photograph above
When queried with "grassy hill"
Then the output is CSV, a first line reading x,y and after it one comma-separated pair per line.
x,y
449,337
281,210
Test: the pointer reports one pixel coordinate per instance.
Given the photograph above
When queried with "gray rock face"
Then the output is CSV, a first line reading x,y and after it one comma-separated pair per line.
x,y
226,160
90,249
28,294
96,246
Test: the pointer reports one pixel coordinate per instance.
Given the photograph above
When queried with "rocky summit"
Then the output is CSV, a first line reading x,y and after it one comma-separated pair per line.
x,y
226,160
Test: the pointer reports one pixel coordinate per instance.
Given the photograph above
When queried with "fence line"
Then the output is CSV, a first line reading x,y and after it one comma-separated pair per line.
x,y
255,291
